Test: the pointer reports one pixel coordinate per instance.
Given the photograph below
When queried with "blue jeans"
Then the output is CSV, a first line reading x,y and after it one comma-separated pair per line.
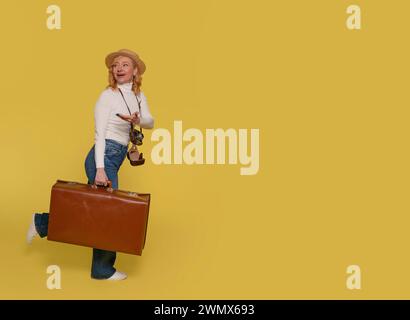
x,y
102,266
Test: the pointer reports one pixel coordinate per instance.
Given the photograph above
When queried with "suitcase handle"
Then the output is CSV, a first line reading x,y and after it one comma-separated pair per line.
x,y
109,186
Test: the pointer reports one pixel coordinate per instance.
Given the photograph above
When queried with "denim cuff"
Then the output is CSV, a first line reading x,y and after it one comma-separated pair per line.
x,y
41,223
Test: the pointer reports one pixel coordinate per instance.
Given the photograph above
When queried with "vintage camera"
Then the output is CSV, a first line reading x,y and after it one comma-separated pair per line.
x,y
136,136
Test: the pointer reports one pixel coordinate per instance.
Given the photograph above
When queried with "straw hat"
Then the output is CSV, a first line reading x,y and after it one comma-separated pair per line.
x,y
125,53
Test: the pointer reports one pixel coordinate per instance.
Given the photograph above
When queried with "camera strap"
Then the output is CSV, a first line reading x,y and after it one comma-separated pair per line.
x,y
139,107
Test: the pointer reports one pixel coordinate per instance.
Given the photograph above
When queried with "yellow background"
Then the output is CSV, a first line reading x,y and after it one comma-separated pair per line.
x,y
332,108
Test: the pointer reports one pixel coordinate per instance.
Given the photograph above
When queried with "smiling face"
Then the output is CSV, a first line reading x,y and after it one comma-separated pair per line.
x,y
123,69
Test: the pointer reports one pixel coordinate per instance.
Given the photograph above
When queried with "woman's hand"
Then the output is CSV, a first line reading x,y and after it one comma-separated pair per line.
x,y
134,118
101,177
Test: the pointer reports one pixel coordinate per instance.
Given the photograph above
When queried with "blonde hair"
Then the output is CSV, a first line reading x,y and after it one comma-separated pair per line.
x,y
136,80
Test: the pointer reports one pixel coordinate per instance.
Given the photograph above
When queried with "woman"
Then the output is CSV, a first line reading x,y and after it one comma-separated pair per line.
x,y
112,124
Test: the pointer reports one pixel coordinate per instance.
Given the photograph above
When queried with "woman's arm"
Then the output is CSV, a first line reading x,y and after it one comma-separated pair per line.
x,y
143,118
146,119
102,112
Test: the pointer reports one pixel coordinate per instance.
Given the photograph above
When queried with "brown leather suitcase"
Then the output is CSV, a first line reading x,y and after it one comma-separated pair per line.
x,y
98,217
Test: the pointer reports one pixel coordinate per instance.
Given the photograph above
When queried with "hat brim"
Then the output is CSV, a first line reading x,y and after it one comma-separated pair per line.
x,y
110,58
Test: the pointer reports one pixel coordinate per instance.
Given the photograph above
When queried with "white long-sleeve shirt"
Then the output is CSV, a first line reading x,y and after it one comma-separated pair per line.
x,y
110,126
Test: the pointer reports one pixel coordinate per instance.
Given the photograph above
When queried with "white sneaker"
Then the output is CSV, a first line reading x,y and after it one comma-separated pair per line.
x,y
118,276
31,232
